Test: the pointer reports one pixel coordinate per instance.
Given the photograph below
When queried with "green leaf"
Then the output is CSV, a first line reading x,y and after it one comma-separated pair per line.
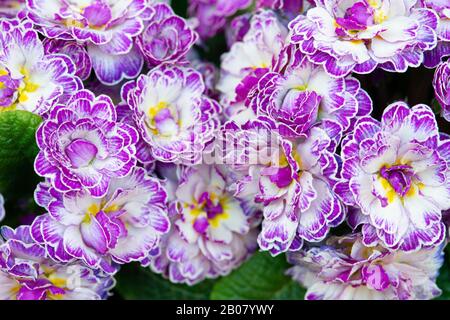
x,y
138,283
262,277
18,150
180,7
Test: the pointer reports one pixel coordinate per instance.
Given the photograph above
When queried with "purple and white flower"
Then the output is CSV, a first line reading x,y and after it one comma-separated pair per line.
x,y
293,183
172,113
211,233
120,227
106,27
441,84
82,146
248,60
345,269
77,52
212,14
442,50
166,38
299,94
28,273
299,201
30,79
360,35
396,173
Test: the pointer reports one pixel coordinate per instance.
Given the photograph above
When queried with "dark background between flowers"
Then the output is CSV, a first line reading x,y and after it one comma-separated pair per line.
x,y
262,276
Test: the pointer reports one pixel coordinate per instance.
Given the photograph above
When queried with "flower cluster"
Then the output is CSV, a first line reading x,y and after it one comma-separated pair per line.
x,y
212,232
346,269
28,273
154,149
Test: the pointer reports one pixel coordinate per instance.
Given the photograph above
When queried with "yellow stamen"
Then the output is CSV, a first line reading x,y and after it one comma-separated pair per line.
x,y
112,208
215,222
154,110
93,209
390,192
379,16
73,23
56,281
301,87
26,87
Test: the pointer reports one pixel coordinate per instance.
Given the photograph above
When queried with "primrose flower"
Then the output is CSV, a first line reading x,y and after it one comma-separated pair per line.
x,y
106,27
212,14
441,84
77,52
122,226
303,94
345,269
30,79
172,113
297,195
27,273
82,147
358,36
211,233
292,179
248,60
166,37
396,173
442,50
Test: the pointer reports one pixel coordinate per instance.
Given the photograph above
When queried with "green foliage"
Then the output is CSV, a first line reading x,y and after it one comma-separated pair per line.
x,y
137,283
180,7
18,150
262,277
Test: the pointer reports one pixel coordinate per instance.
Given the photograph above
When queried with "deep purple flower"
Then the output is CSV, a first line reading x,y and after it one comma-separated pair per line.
x,y
83,147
